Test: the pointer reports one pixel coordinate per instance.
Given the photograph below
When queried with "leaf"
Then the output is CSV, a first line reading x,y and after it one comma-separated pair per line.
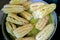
x,y
33,32
51,20
33,21
29,11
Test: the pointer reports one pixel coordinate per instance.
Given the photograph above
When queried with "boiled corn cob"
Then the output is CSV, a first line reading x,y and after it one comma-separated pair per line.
x,y
17,1
44,11
27,5
13,18
42,23
13,8
26,38
13,26
35,6
23,30
45,33
10,27
26,15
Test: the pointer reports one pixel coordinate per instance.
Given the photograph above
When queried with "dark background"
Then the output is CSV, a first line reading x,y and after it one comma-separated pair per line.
x,y
57,33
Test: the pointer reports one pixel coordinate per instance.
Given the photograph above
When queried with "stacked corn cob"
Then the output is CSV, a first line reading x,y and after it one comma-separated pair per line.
x,y
44,11
26,15
13,8
27,5
45,33
42,23
35,6
13,18
10,27
17,1
22,31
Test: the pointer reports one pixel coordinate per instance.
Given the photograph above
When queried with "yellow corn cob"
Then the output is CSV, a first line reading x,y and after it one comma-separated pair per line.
x,y
26,15
13,18
26,38
35,6
13,8
17,1
23,30
44,11
45,33
10,27
42,23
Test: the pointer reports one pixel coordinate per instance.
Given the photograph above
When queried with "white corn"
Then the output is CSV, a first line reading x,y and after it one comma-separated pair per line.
x,y
13,18
26,38
35,6
42,23
17,1
26,15
27,5
44,11
23,30
45,33
13,26
10,27
13,8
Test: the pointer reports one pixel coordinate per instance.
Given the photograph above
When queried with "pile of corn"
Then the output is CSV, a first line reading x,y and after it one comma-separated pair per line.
x,y
18,14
